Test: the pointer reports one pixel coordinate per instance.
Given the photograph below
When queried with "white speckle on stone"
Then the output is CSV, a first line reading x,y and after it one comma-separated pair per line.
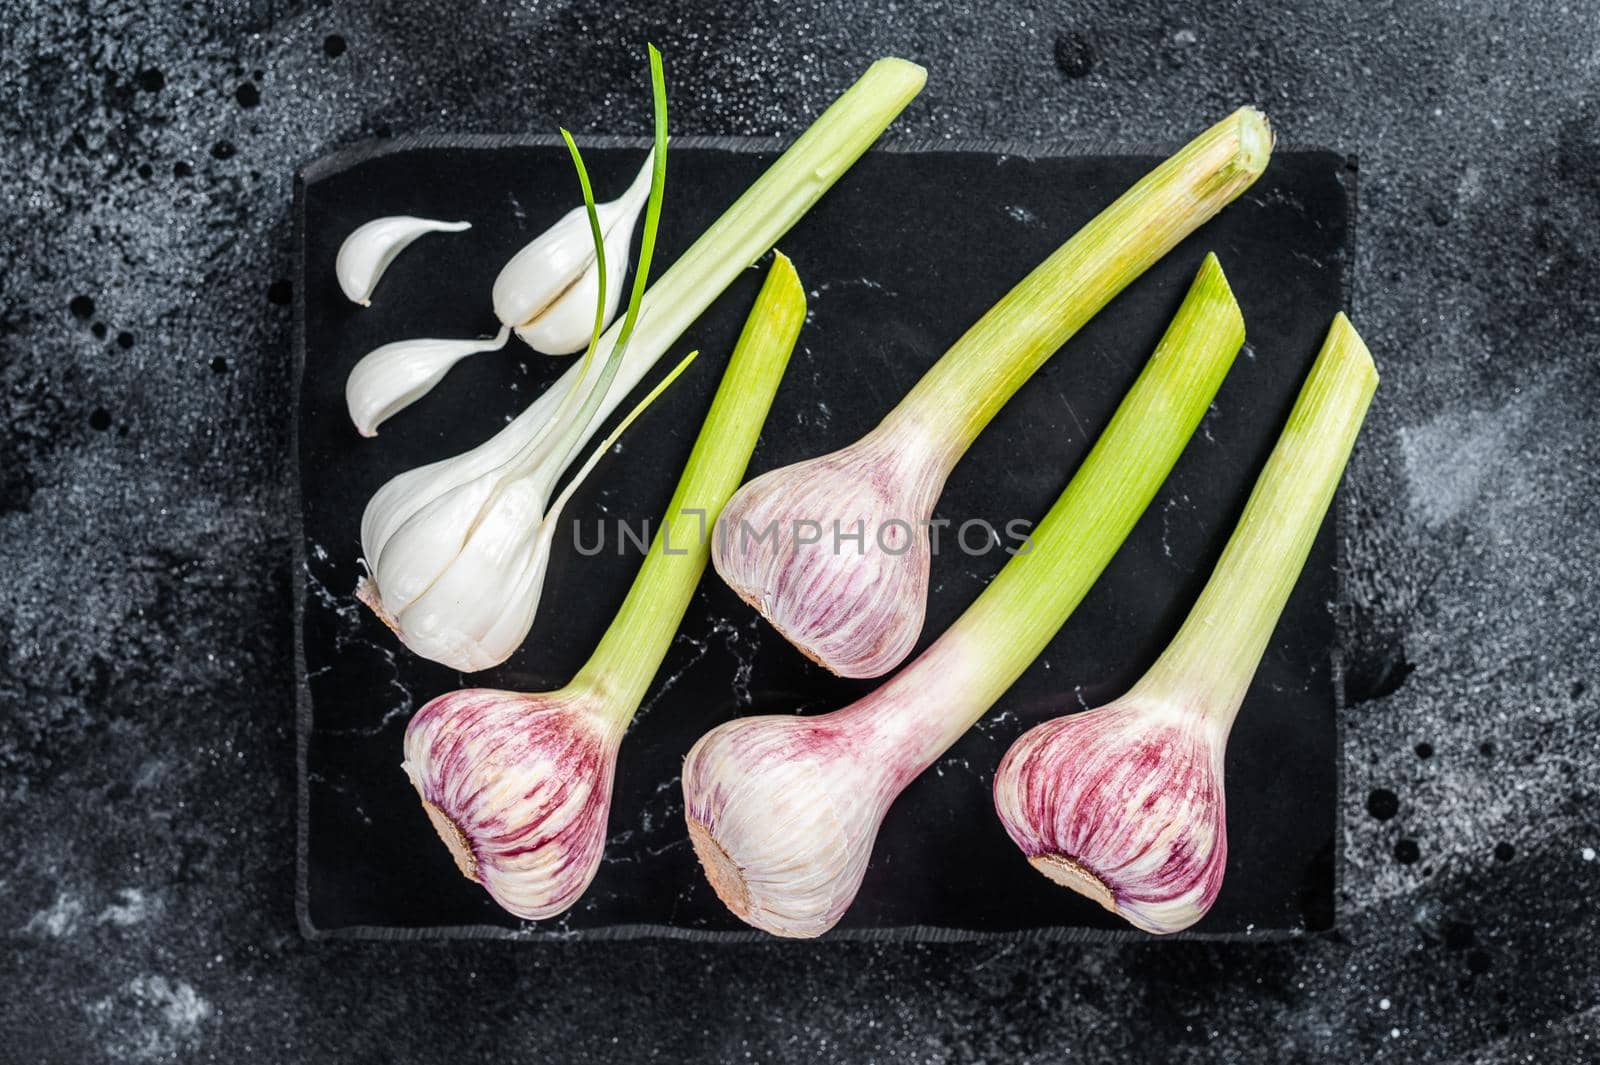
x,y
132,907
1383,1004
59,921
1588,854
150,1018
1449,457
1023,215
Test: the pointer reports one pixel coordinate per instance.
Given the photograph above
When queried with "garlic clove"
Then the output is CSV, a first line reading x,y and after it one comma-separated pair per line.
x,y
565,326
544,268
556,274
367,252
834,551
519,789
1123,804
819,809
390,378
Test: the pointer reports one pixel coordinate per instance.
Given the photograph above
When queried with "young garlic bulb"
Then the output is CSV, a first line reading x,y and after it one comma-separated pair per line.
x,y
389,379
859,613
519,788
783,811
459,580
369,249
861,616
1125,803
547,292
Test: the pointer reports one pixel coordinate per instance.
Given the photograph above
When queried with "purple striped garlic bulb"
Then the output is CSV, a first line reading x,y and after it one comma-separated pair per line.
x,y
783,811
834,551
519,788
1123,804
858,610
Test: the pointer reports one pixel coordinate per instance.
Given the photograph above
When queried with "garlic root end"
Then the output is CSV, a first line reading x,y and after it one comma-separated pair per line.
x,y
727,879
759,604
367,593
1076,876
454,839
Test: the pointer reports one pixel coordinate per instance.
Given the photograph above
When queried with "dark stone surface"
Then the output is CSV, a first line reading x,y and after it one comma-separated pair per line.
x,y
145,695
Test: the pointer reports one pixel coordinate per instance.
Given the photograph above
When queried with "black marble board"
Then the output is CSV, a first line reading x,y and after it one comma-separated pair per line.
x,y
910,247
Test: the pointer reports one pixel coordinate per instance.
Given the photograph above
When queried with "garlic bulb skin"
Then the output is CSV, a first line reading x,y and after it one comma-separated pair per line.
x,y
391,378
548,290
765,796
369,249
1124,804
783,811
787,543
519,788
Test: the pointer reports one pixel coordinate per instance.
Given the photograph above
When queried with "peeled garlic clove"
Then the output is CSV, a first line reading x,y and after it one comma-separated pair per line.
x,y
1123,804
391,378
564,328
555,276
519,788
367,252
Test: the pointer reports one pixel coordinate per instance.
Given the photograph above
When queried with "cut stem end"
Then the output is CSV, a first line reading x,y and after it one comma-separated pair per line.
x,y
1077,877
1256,139
454,839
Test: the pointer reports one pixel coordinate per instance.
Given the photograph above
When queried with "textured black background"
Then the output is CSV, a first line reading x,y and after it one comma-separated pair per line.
x,y
898,261
146,741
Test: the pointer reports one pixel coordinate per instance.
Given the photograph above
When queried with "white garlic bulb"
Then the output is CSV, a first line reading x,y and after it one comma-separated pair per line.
x,y
460,582
457,571
391,378
367,252
547,292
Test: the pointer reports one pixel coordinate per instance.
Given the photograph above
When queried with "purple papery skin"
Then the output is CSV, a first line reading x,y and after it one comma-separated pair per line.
x,y
856,608
1131,794
526,782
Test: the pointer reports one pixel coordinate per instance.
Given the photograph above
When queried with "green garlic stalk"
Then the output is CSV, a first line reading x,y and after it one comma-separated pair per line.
x,y
854,600
519,785
1125,803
